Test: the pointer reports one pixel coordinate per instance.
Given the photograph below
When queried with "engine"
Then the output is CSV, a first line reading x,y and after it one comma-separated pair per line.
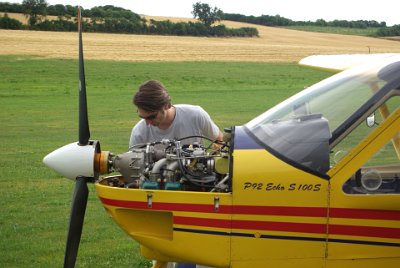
x,y
168,165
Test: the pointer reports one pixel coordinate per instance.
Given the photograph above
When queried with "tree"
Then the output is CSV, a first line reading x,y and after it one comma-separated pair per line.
x,y
206,14
8,23
34,9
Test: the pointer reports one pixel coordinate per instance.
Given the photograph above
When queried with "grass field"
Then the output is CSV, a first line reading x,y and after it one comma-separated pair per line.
x,y
335,30
39,114
272,45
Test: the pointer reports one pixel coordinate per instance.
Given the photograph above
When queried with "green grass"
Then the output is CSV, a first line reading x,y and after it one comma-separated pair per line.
x,y
38,100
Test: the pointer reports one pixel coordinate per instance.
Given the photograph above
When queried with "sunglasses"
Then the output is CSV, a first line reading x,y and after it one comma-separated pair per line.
x,y
150,117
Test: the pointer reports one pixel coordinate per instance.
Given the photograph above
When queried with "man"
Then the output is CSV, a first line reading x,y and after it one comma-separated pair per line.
x,y
162,120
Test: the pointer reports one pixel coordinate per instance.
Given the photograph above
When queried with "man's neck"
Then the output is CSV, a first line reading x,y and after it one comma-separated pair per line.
x,y
169,119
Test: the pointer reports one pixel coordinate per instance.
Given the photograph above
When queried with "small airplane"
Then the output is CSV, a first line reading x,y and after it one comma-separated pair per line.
x,y
312,182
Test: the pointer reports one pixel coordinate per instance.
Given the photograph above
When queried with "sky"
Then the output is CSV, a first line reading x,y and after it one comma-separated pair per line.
x,y
301,10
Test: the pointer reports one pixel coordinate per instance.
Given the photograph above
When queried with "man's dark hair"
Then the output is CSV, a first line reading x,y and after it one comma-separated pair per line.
x,y
152,96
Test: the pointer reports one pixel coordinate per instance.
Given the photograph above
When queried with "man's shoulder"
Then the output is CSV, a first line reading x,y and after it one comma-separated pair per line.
x,y
191,113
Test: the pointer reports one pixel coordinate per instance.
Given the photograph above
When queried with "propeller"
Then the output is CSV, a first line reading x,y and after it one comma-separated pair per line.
x,y
84,132
78,208
80,161
81,192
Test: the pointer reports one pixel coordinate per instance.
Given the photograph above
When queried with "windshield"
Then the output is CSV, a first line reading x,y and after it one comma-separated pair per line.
x,y
302,127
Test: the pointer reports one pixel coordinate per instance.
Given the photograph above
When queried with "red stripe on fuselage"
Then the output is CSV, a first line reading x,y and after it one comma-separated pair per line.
x,y
203,208
280,211
253,225
293,227
334,229
347,213
370,231
367,214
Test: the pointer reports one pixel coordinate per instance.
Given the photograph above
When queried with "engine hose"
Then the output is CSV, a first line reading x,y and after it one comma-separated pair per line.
x,y
184,171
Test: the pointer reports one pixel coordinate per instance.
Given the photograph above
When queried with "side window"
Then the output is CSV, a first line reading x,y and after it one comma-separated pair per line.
x,y
381,173
363,130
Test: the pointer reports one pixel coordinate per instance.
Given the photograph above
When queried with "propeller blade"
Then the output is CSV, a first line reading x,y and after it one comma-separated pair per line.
x,y
78,208
84,132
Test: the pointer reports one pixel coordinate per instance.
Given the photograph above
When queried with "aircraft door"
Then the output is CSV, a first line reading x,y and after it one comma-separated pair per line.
x,y
364,213
279,212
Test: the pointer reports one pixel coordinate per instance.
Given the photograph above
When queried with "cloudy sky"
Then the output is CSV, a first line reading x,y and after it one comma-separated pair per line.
x,y
304,10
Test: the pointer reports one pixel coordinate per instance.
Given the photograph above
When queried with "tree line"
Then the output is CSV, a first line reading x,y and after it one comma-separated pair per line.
x,y
111,19
267,20
119,20
277,20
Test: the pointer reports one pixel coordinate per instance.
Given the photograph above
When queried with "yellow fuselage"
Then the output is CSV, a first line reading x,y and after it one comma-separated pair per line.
x,y
277,215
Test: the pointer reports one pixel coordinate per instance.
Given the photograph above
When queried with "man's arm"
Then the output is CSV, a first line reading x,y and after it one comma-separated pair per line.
x,y
220,136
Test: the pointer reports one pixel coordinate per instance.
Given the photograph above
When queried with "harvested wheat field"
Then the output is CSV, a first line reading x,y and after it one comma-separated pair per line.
x,y
273,45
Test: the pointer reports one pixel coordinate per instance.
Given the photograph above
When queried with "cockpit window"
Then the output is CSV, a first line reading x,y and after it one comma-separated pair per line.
x,y
380,174
304,128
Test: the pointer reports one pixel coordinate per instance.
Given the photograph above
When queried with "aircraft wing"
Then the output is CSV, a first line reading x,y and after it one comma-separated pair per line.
x,y
338,63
